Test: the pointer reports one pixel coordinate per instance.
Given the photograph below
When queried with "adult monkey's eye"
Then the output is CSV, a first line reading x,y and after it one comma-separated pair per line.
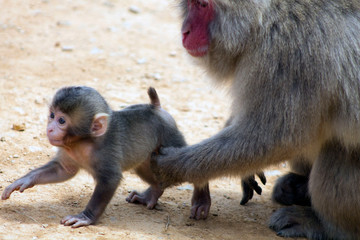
x,y
61,120
52,115
202,3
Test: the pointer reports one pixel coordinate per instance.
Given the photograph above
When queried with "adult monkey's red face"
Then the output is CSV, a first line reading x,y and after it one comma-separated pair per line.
x,y
195,33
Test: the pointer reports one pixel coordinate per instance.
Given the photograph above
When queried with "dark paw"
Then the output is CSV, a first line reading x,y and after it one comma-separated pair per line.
x,y
200,211
285,224
76,221
249,185
292,189
200,203
297,221
149,198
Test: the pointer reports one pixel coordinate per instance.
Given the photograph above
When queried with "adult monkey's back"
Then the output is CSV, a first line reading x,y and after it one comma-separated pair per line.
x,y
294,72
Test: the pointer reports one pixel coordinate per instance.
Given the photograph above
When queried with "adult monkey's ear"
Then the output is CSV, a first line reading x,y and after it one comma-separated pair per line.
x,y
99,125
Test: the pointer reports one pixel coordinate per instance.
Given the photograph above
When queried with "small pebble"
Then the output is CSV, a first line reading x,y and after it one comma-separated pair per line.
x,y
157,76
35,149
113,29
67,48
134,9
226,196
19,110
63,23
19,127
141,61
96,50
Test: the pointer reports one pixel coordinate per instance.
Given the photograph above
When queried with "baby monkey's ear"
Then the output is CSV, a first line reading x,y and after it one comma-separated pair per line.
x,y
99,125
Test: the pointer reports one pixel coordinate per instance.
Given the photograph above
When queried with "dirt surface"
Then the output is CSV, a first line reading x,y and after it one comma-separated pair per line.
x,y
121,48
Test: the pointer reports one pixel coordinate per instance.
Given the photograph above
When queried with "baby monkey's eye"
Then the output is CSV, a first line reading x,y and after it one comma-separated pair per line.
x,y
52,115
61,120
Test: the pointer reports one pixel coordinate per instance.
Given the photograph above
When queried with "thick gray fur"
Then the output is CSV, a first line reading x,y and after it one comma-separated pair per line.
x,y
293,67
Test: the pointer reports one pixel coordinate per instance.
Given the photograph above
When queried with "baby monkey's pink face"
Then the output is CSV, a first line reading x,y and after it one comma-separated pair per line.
x,y
58,123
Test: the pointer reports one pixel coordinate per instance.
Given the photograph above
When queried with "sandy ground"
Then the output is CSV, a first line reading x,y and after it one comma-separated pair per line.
x,y
119,47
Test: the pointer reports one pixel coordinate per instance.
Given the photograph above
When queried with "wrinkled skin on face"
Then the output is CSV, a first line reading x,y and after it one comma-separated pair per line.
x,y
195,36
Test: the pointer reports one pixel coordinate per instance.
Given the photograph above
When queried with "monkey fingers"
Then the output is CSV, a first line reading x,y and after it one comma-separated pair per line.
x,y
262,177
248,192
7,192
249,185
20,184
76,221
201,202
149,197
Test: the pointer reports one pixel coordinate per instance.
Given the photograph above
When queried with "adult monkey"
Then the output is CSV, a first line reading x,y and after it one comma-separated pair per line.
x,y
293,67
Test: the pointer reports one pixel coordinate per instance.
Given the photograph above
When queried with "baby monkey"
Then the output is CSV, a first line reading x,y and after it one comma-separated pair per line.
x,y
105,143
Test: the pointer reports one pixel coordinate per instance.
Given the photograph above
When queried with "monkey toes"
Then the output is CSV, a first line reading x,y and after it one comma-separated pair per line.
x,y
200,202
148,198
76,221
296,221
200,209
